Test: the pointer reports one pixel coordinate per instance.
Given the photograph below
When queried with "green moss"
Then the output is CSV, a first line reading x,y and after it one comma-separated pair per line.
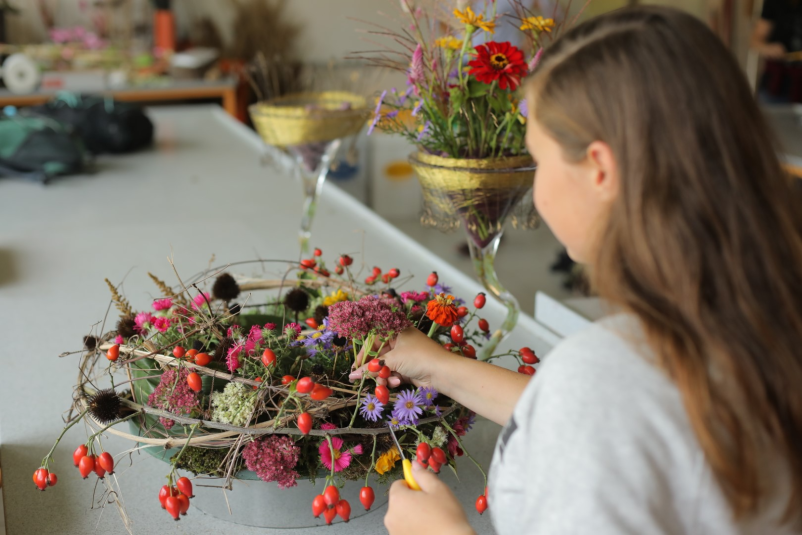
x,y
205,461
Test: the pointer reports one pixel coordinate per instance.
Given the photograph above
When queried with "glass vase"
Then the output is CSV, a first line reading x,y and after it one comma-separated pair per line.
x,y
481,195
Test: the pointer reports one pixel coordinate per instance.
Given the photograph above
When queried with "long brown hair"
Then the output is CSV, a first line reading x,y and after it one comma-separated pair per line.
x,y
703,243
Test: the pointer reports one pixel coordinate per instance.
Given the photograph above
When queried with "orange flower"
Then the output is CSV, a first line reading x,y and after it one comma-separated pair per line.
x,y
442,310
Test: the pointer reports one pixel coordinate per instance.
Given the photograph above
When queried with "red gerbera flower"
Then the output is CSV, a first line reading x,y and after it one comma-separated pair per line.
x,y
498,61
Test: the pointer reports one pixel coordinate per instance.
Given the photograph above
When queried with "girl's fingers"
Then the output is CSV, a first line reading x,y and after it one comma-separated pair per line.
x,y
394,380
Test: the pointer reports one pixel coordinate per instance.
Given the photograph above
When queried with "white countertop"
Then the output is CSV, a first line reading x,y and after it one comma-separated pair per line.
x,y
200,191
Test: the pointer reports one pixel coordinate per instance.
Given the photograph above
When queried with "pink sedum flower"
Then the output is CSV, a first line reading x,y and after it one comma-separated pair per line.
x,y
273,459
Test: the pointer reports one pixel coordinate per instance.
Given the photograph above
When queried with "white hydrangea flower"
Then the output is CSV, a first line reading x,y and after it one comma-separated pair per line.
x,y
234,405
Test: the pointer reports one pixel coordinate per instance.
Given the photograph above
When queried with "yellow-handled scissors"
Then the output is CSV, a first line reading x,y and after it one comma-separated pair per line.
x,y
406,464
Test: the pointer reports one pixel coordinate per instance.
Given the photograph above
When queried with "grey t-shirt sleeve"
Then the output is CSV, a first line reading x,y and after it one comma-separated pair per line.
x,y
592,446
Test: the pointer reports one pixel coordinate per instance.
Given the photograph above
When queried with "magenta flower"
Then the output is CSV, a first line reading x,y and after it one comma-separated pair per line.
x,y
118,339
273,459
342,458
232,358
200,300
161,324
162,304
294,327
270,326
173,394
328,426
255,334
415,297
233,331
142,319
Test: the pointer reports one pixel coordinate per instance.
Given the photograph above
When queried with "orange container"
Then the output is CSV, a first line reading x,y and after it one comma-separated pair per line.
x,y
164,29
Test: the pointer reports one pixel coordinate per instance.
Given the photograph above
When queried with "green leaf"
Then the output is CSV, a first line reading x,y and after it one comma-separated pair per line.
x,y
477,89
458,98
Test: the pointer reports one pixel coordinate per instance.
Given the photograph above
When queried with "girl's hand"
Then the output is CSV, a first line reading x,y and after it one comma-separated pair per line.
x,y
433,509
412,357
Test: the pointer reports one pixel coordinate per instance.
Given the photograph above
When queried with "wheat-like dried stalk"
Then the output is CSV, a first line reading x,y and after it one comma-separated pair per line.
x,y
166,290
120,302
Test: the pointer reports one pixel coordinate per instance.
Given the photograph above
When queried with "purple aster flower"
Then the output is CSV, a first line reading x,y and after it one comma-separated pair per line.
x,y
394,423
438,411
320,340
428,394
371,408
378,109
392,114
408,405
425,130
417,108
523,109
470,421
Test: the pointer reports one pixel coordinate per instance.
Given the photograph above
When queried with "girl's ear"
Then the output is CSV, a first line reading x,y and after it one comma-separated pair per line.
x,y
601,163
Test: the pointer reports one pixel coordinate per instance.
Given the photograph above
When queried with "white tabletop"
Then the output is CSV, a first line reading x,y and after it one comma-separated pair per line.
x,y
200,191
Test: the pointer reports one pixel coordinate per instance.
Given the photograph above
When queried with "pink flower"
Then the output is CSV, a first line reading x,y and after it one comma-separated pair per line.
x,y
535,60
200,300
357,450
232,358
415,74
162,324
273,459
181,311
142,319
233,331
162,304
415,297
355,320
270,326
118,339
292,326
328,426
173,394
341,458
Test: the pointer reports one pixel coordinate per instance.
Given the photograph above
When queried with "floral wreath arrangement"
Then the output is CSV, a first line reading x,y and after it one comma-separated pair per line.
x,y
265,387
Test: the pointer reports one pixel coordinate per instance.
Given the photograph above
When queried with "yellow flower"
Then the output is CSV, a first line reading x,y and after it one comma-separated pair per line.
x,y
451,43
537,23
317,335
477,21
387,460
335,297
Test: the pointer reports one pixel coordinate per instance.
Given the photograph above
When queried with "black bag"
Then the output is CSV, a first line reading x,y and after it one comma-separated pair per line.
x,y
105,125
37,148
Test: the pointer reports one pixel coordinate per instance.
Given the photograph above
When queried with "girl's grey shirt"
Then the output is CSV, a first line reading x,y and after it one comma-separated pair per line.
x,y
600,443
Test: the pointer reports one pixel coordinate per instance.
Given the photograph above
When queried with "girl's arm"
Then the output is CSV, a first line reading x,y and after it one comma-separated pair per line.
x,y
486,389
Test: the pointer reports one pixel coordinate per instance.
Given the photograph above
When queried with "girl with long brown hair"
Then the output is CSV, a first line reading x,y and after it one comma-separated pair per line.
x,y
681,413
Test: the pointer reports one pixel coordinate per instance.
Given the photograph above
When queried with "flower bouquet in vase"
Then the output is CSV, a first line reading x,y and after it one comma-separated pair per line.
x,y
243,384
462,109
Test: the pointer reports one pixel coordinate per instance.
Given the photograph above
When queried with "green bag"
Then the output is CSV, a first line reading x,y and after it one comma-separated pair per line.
x,y
37,148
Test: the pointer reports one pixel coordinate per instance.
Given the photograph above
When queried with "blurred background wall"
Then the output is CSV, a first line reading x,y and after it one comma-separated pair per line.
x,y
325,26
